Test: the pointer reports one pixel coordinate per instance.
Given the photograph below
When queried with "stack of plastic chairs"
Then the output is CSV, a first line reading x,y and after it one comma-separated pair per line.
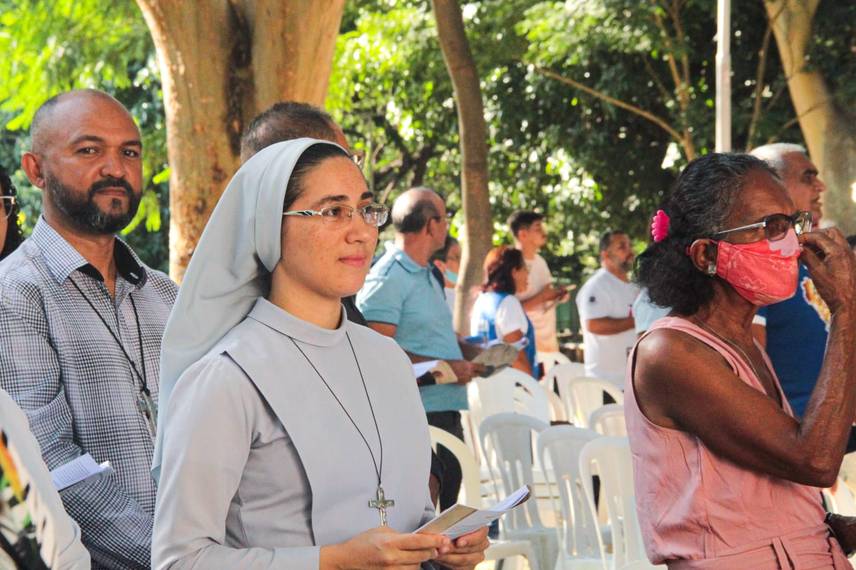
x,y
580,541
582,396
610,459
471,490
508,443
609,420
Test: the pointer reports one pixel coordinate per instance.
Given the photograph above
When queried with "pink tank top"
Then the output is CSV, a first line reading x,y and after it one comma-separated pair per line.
x,y
700,510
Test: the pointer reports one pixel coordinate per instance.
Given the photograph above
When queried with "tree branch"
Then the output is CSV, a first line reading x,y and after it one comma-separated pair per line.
x,y
657,81
759,85
659,121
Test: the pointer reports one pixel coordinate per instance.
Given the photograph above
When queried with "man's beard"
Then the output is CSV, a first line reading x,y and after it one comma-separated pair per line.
x,y
84,213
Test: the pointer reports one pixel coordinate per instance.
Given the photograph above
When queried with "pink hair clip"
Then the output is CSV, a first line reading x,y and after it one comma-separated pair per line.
x,y
660,226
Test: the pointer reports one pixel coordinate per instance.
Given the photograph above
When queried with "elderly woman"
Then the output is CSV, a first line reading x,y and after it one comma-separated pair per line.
x,y
497,313
726,476
292,438
10,230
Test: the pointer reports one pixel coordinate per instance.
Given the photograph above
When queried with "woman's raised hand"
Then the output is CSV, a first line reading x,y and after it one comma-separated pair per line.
x,y
832,266
383,547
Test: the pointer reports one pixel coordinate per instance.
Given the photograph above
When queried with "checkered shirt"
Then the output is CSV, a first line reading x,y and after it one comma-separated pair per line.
x,y
64,368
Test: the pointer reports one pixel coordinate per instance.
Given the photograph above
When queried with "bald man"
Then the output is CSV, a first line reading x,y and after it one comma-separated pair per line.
x,y
81,320
403,300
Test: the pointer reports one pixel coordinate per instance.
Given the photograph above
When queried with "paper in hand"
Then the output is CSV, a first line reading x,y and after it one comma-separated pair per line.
x,y
79,469
459,520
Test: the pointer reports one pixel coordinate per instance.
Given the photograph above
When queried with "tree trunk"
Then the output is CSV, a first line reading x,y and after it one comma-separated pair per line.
x,y
222,63
829,133
478,228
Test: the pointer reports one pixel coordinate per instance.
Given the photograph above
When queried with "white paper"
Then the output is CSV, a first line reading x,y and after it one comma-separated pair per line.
x,y
421,368
77,470
477,519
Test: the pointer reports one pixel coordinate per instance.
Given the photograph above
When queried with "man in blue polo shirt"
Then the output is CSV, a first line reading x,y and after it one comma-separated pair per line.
x,y
403,300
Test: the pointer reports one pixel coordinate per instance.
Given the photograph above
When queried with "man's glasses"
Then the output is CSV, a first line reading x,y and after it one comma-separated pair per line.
x,y
8,203
372,214
776,226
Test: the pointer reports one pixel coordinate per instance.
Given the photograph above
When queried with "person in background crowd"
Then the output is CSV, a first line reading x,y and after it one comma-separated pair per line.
x,y
447,261
291,437
403,300
10,228
497,312
605,305
540,297
645,312
726,475
83,317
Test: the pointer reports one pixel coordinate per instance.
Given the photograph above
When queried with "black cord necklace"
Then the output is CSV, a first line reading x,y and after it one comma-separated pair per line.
x,y
145,402
380,502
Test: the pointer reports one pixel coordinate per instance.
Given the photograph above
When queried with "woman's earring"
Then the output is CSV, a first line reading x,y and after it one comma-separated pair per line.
x,y
711,268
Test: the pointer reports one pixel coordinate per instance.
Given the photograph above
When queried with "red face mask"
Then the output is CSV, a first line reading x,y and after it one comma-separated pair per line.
x,y
762,272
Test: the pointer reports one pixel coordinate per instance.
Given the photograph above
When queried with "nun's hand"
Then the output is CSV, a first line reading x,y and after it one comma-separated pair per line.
x,y
467,551
383,547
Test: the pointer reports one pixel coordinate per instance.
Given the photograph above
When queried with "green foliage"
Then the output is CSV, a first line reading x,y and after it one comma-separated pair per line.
x,y
53,46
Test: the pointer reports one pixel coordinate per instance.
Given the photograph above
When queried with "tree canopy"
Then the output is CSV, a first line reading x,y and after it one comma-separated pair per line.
x,y
592,106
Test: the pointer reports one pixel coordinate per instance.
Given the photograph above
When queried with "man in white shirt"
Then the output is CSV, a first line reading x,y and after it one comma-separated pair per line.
x,y
540,298
604,304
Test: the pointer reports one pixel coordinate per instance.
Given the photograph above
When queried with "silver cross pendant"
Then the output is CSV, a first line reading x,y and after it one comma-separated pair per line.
x,y
381,503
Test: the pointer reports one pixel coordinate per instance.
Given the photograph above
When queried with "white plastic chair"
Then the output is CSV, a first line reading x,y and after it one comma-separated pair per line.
x,y
508,443
840,500
582,396
508,390
581,543
609,457
609,420
567,370
471,491
551,359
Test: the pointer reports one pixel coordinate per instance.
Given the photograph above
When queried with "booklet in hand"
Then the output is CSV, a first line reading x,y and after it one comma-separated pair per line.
x,y
459,520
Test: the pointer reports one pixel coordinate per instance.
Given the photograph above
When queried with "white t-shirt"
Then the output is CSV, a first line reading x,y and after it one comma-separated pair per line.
x,y
450,298
605,295
544,320
510,317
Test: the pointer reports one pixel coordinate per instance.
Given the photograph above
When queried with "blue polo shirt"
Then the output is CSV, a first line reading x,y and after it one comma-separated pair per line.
x,y
398,291
797,330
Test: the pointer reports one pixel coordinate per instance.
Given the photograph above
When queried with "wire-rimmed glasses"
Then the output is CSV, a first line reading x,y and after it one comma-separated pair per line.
x,y
372,214
776,226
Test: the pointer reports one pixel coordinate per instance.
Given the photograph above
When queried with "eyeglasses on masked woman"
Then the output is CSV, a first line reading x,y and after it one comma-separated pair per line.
x,y
776,226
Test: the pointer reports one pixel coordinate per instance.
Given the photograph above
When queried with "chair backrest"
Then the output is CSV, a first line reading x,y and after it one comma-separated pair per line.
x,y
558,412
609,458
551,359
582,396
561,446
567,370
609,420
508,390
840,499
470,481
508,444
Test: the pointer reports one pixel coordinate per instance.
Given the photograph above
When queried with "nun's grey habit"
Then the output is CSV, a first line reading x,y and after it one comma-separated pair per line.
x,y
259,465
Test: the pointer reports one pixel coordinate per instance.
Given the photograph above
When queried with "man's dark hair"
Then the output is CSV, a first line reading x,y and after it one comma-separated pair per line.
x,y
286,121
606,239
443,253
498,267
13,231
416,217
699,204
522,220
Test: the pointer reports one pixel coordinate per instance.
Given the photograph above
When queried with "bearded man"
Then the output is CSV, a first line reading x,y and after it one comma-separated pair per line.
x,y
81,320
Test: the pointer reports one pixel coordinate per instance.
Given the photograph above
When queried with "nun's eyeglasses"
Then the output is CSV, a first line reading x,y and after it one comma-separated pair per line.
x,y
372,214
776,226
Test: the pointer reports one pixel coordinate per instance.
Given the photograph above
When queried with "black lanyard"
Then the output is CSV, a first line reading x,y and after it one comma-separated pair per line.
x,y
145,387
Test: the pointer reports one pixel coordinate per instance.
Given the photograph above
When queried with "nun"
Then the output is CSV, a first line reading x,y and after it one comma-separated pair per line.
x,y
290,437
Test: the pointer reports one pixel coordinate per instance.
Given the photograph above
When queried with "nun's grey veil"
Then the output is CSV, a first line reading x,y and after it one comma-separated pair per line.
x,y
230,268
